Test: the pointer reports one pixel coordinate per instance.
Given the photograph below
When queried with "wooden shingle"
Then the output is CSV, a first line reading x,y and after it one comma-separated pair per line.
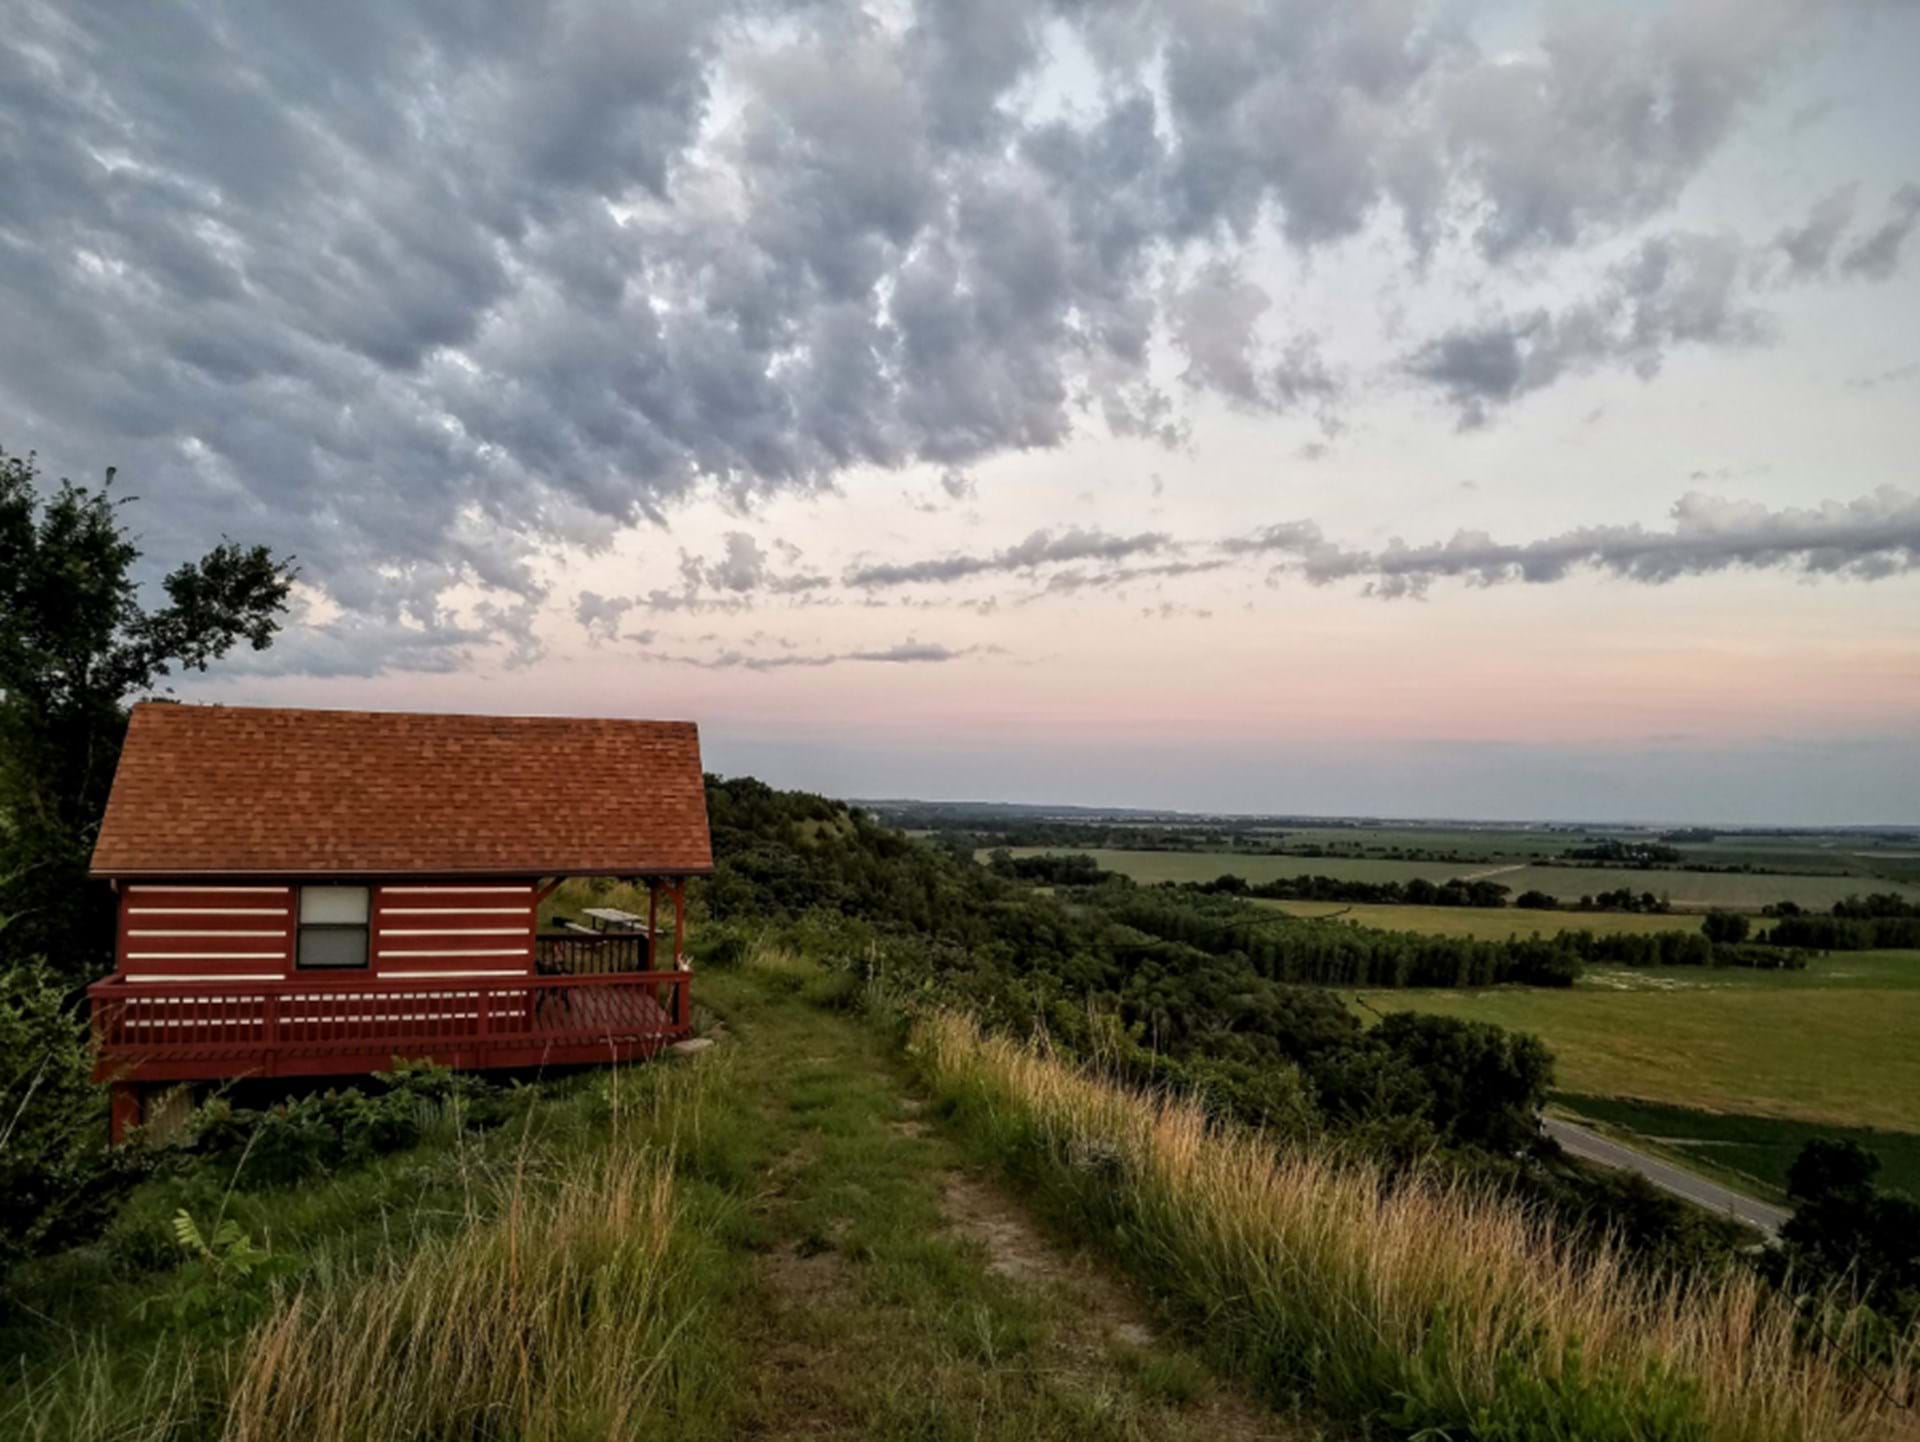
x,y
248,791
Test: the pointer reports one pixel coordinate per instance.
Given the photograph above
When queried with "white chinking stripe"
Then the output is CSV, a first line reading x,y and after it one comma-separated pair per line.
x,y
170,934
453,911
206,911
429,976
202,976
453,890
476,951
224,890
205,955
454,931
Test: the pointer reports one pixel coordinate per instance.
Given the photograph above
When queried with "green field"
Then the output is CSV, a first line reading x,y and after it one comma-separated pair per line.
x,y
1698,890
1688,890
1759,1147
1835,1043
1154,866
1485,923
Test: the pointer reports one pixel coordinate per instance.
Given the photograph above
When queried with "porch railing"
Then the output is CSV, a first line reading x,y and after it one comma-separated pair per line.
x,y
296,1026
579,953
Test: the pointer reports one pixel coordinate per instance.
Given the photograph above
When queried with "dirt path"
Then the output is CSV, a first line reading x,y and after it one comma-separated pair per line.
x,y
900,1293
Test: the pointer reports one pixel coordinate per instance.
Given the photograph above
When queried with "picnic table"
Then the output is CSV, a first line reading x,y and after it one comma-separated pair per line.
x,y
612,918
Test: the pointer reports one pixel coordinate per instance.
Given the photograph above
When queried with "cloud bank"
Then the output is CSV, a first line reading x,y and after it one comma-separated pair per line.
x,y
1868,539
427,292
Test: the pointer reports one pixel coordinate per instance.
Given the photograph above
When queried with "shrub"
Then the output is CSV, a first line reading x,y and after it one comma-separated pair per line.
x,y
60,1182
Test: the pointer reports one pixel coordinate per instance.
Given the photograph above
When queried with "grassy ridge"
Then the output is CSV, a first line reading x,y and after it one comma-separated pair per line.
x,y
1428,1309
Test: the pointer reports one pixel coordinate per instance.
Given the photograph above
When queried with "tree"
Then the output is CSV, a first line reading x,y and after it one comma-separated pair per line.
x,y
1726,928
1487,1083
77,646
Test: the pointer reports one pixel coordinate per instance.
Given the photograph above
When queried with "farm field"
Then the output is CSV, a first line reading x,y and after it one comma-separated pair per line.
x,y
1699,890
1831,1044
1485,923
1155,866
1757,1147
1690,890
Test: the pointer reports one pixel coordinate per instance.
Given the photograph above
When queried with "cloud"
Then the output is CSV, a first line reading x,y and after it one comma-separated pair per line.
x,y
1873,537
1677,289
905,653
1810,246
421,292
1877,256
601,615
1041,548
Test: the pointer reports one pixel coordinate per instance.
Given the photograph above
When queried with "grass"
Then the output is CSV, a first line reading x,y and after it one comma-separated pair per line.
x,y
1424,1309
461,1290
1155,866
1486,923
1758,1147
1700,890
755,1243
1813,1050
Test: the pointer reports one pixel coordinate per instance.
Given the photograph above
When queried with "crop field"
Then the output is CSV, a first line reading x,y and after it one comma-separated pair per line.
x,y
1483,923
1698,890
1154,866
1759,1147
1689,890
1834,1043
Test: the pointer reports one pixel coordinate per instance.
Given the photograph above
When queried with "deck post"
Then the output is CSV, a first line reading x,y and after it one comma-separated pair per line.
x,y
653,918
683,995
124,1114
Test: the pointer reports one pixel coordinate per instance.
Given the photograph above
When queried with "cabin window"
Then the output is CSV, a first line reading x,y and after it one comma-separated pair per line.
x,y
333,926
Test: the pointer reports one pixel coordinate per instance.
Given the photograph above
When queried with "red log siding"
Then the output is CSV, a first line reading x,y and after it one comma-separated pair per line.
x,y
453,930
190,932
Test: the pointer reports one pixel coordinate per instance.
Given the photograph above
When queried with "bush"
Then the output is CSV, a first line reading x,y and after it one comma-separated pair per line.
x,y
59,1180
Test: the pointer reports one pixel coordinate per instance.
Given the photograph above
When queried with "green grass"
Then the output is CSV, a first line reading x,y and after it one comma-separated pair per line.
x,y
1486,923
1414,1308
756,1243
1149,867
1814,1047
1760,1147
1699,890
1691,890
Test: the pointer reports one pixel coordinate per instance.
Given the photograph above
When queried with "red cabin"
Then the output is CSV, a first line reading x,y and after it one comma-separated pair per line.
x,y
312,893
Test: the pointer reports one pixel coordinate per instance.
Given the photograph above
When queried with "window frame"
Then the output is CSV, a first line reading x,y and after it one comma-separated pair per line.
x,y
301,927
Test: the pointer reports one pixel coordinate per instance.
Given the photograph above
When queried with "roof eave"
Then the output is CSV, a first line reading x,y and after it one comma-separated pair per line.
x,y
437,873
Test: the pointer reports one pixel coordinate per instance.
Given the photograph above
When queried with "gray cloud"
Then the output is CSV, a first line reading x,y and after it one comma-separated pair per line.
x,y
600,616
1677,289
420,291
1877,255
1039,549
1809,247
905,653
1875,536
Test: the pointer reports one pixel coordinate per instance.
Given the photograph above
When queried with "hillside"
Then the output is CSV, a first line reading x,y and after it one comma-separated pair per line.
x,y
859,1214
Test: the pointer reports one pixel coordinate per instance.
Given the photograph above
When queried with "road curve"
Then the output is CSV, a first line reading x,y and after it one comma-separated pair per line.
x,y
1682,1183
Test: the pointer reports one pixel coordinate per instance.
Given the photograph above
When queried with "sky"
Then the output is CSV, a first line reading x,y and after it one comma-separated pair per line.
x,y
1316,406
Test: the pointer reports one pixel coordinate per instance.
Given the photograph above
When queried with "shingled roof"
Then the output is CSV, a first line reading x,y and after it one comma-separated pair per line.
x,y
245,791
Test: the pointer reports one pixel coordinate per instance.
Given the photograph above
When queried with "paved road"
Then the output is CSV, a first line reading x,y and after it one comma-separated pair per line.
x,y
1682,1183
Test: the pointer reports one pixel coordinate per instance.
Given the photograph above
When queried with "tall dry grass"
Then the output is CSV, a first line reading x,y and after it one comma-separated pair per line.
x,y
1421,1305
550,1320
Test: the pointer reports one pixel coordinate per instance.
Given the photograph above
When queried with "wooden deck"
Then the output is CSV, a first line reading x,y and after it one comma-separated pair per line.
x,y
166,1032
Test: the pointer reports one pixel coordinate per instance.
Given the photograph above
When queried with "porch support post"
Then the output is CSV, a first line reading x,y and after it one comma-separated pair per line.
x,y
124,1113
653,921
683,994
